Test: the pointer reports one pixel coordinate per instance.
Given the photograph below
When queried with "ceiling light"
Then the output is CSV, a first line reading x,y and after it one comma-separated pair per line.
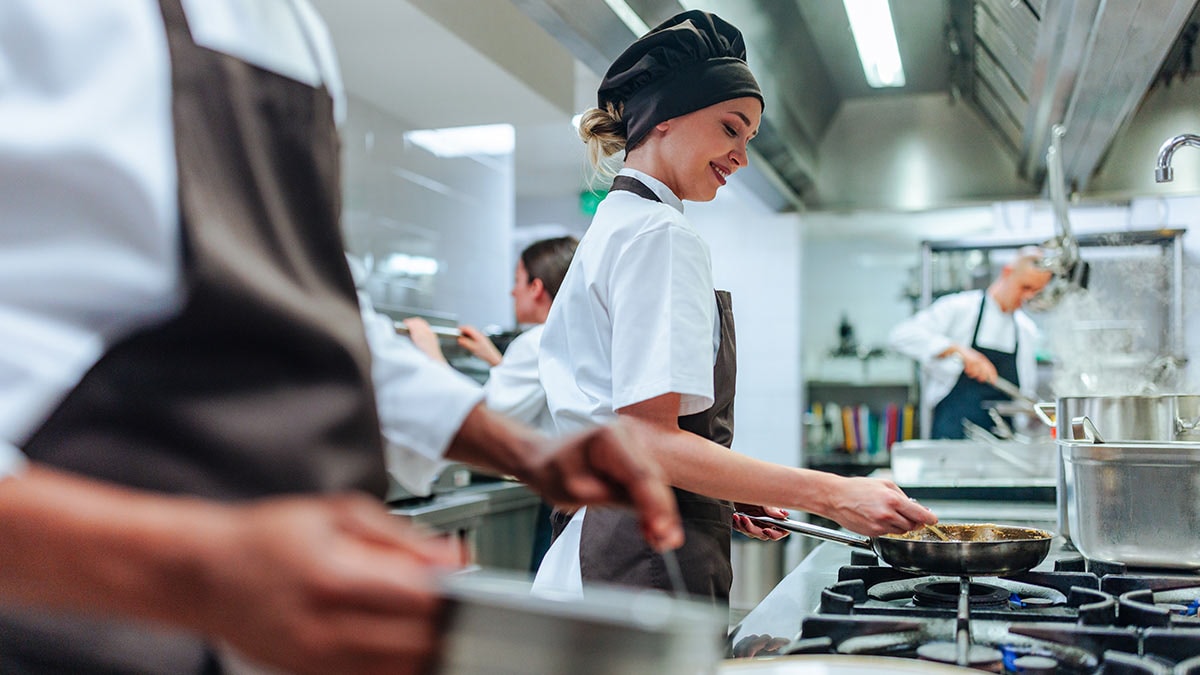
x,y
628,17
488,139
875,37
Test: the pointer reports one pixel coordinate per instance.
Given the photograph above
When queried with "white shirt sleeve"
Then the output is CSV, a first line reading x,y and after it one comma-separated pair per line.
x,y
513,388
663,309
421,403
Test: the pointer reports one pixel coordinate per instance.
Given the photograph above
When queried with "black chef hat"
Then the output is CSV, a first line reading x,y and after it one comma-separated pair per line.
x,y
693,60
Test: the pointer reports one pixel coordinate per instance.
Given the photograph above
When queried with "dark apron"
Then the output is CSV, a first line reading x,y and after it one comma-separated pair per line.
x,y
261,384
612,549
965,400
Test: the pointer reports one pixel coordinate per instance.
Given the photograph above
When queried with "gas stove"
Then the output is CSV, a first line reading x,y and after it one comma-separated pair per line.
x,y
1078,617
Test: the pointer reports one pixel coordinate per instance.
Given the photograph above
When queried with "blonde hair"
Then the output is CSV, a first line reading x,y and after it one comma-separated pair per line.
x,y
603,130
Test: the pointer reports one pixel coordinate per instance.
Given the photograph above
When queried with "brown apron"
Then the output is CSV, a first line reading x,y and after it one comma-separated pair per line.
x,y
611,546
261,384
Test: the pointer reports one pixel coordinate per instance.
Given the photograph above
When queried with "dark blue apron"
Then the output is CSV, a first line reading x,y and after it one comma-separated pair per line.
x,y
965,400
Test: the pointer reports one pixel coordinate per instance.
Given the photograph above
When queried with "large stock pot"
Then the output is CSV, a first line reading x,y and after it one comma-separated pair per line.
x,y
1164,417
1134,502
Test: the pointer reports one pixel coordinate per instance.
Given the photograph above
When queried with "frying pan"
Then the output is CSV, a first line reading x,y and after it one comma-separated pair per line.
x,y
974,549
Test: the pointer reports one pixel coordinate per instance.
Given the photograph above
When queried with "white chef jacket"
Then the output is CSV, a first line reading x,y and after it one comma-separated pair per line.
x,y
514,387
89,227
951,319
635,318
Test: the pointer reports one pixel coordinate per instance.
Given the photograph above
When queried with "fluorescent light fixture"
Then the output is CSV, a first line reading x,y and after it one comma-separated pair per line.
x,y
488,139
410,265
629,17
875,37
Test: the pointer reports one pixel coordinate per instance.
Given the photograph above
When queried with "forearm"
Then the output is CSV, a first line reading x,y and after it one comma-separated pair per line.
x,y
73,543
492,441
699,465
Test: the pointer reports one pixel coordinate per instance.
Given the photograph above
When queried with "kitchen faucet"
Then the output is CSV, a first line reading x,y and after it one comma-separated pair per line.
x,y
1163,173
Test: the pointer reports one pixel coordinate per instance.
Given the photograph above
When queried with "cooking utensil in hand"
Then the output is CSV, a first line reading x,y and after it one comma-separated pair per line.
x,y
938,532
444,331
1014,392
973,549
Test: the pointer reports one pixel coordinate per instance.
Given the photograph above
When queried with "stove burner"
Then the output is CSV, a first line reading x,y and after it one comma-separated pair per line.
x,y
1035,665
945,594
978,656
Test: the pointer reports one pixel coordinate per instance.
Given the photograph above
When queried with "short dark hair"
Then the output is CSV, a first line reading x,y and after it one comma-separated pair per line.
x,y
548,260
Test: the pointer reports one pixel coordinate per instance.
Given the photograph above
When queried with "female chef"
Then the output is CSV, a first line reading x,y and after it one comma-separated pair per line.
x,y
638,331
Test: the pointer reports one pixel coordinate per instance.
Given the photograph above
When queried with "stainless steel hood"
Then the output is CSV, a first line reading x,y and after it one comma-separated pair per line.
x,y
987,79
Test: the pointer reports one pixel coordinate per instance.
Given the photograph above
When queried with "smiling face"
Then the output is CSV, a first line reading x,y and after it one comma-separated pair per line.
x,y
694,154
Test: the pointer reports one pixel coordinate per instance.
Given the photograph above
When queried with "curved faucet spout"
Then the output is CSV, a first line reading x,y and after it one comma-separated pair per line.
x,y
1163,173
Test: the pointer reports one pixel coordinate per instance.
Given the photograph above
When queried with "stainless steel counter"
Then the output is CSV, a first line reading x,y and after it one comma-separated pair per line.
x,y
494,521
799,593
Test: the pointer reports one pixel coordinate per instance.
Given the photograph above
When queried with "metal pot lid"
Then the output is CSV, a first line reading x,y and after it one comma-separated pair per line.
x,y
837,664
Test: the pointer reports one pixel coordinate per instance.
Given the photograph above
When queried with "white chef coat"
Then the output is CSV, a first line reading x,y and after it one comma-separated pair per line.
x,y
89,227
407,385
635,318
951,319
514,387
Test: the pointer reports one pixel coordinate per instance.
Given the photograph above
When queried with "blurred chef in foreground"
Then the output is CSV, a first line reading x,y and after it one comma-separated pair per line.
x,y
189,431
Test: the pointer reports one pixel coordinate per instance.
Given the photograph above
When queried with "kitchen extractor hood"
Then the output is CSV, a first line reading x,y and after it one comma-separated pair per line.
x,y
986,80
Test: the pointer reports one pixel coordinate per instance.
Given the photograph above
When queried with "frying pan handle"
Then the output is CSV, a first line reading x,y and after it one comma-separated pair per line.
x,y
817,531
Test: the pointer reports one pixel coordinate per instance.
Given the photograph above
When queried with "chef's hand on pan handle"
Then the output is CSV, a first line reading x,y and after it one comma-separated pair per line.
x,y
873,506
474,341
424,338
975,365
757,531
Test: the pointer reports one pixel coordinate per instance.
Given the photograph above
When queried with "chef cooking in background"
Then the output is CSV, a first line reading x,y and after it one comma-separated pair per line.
x,y
964,341
513,386
637,330
189,424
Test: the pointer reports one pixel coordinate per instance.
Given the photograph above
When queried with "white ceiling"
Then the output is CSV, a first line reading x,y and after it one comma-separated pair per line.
x,y
397,56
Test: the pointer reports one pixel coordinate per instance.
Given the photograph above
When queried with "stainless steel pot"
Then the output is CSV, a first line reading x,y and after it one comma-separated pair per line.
x,y
1132,502
1165,417
495,626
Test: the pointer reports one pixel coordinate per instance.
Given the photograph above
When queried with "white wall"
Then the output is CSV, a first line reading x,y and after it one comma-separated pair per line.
x,y
757,257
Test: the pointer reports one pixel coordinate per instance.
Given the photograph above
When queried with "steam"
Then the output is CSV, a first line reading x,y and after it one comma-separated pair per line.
x,y
1113,338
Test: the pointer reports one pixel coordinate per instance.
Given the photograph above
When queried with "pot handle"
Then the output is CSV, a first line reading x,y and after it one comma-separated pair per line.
x,y
1045,410
1082,429
1184,427
828,534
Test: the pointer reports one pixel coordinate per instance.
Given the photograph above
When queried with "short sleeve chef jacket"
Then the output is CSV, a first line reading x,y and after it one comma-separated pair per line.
x,y
89,228
635,317
514,387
